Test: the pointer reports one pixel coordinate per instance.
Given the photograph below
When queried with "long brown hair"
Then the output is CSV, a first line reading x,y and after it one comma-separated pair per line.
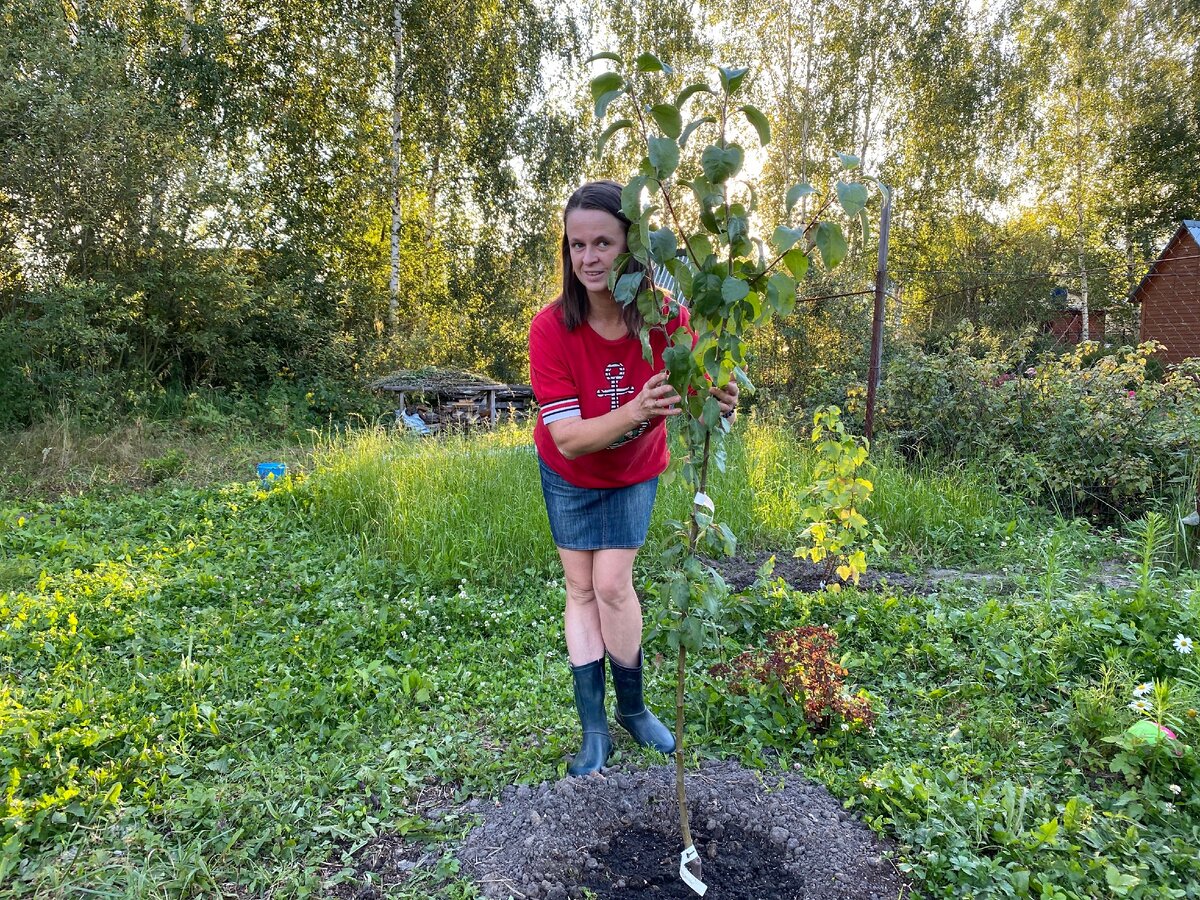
x,y
573,301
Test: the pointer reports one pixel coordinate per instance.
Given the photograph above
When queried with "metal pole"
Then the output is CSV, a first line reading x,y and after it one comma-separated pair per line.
x,y
885,221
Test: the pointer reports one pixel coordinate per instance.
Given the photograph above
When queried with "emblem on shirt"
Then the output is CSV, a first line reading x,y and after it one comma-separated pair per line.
x,y
614,374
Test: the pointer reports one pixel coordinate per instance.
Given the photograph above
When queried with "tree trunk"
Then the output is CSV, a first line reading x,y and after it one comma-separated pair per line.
x,y
1084,334
71,10
397,208
189,19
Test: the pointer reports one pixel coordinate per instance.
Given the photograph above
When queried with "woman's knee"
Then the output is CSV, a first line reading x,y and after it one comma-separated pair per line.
x,y
614,592
580,593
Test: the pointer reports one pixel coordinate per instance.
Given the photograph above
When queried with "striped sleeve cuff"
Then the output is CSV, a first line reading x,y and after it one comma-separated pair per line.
x,y
559,410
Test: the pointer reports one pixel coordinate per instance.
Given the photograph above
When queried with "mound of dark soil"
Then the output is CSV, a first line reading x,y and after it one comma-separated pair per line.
x,y
760,836
645,863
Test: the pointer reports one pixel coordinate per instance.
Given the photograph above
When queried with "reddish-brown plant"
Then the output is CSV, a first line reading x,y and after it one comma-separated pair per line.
x,y
803,664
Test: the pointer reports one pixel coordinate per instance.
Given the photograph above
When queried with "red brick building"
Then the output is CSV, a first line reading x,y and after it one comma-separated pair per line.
x,y
1169,296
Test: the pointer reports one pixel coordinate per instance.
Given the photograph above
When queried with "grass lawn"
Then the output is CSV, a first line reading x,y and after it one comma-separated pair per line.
x,y
215,689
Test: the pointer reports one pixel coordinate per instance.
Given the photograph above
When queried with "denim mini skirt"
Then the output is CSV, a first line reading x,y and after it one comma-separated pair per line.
x,y
597,518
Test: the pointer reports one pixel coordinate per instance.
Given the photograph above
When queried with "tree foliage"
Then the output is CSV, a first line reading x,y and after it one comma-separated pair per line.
x,y
213,181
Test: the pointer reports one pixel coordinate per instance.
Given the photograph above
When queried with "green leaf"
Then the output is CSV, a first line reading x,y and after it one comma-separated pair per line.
x,y
721,164
667,118
691,90
606,83
756,118
639,235
728,541
737,227
852,196
678,360
605,100
627,287
702,246
663,244
1119,883
682,273
781,293
631,197
1020,882
831,242
692,126
691,633
784,238
733,289
706,293
638,242
797,263
650,306
618,268
731,79
848,160
796,192
607,54
609,132
648,62
883,188
707,194
680,594
664,156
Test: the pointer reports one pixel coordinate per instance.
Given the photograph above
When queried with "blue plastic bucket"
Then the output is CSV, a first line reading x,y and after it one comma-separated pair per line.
x,y
271,472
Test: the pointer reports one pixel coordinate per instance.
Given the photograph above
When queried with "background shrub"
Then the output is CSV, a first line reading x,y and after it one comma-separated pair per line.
x,y
1088,430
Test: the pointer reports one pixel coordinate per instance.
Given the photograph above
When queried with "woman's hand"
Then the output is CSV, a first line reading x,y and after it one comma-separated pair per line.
x,y
727,397
657,398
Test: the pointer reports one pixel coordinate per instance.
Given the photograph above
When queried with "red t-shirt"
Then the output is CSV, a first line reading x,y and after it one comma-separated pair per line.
x,y
580,373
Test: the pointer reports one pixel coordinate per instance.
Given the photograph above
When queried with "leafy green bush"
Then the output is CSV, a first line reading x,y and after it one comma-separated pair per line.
x,y
1092,433
67,344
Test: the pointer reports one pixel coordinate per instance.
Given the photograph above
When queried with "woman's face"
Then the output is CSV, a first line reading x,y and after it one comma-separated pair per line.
x,y
595,238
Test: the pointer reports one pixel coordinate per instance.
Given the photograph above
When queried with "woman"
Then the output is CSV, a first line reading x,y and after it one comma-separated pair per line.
x,y
601,443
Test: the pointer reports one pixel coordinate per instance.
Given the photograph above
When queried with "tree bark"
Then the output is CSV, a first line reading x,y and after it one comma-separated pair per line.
x,y
397,135
189,19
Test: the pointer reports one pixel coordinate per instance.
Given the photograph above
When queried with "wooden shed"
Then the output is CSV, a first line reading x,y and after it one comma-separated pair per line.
x,y
1169,296
1066,325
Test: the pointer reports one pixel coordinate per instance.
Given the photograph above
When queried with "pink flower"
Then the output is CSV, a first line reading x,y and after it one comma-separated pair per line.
x,y
1132,394
1167,731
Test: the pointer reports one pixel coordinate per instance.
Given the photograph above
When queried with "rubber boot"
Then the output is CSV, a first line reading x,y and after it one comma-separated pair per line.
x,y
632,714
589,702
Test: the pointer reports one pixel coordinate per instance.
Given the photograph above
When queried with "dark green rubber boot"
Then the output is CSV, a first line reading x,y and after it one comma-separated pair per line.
x,y
632,714
589,701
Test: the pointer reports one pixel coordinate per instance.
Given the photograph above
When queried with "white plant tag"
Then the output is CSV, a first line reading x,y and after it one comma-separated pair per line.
x,y
688,855
702,499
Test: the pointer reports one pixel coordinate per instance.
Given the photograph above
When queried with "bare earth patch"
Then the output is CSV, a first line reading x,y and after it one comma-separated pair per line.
x,y
761,836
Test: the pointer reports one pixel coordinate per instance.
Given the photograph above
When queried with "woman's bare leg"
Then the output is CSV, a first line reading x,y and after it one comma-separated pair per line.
x,y
620,612
581,618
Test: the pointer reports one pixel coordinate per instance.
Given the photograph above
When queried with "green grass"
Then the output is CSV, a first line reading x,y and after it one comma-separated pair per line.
x,y
207,687
471,507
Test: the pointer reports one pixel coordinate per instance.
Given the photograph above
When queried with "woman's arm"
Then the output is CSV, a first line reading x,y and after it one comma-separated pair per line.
x,y
576,436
